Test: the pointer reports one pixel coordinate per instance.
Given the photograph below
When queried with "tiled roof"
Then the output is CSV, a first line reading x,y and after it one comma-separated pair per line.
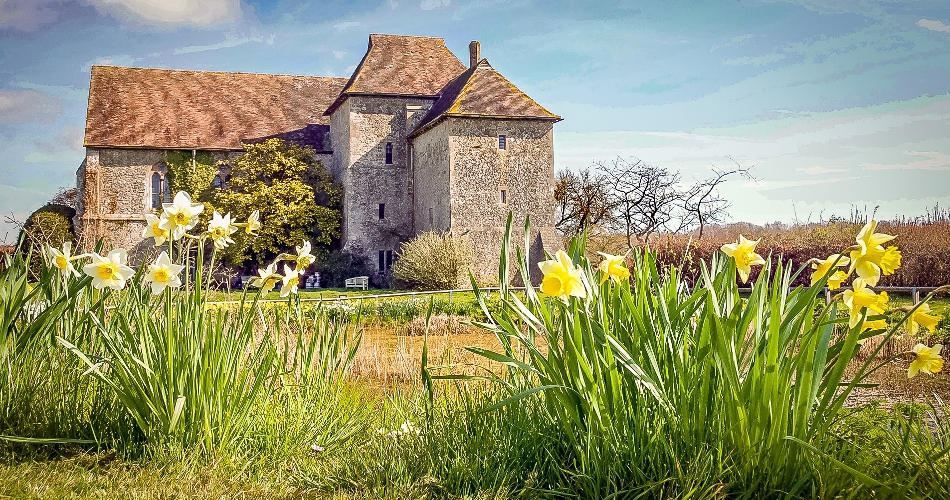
x,y
482,91
159,108
402,65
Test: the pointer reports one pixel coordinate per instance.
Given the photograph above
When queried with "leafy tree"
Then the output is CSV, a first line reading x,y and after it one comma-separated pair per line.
x,y
296,195
50,225
195,178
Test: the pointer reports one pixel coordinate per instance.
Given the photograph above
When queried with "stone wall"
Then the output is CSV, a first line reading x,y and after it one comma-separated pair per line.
x,y
480,171
361,128
431,180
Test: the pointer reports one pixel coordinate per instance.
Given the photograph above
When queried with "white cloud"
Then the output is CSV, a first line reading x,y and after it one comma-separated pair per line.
x,y
27,15
165,13
933,25
23,106
820,170
70,139
736,40
339,54
228,42
433,4
929,160
754,61
345,25
119,60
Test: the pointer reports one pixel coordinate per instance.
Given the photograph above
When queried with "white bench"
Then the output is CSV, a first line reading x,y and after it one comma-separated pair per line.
x,y
358,282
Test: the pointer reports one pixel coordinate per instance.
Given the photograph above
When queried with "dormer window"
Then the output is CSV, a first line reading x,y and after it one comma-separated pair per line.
x,y
389,154
501,142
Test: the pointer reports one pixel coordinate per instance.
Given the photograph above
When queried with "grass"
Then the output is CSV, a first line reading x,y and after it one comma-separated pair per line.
x,y
652,390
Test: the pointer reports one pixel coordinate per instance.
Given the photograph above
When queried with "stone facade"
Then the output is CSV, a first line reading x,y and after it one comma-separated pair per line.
x,y
418,141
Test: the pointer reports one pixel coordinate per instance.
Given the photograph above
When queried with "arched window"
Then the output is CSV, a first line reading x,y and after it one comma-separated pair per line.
x,y
156,190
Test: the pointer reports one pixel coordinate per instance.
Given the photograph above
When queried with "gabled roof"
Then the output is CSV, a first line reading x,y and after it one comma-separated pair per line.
x,y
402,65
483,92
160,108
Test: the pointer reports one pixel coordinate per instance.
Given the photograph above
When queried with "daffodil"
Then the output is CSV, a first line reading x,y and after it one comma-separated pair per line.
x,y
267,279
871,258
877,324
110,270
180,215
291,281
926,359
921,317
861,297
561,278
153,229
743,251
220,230
62,259
824,267
613,267
253,223
163,274
304,257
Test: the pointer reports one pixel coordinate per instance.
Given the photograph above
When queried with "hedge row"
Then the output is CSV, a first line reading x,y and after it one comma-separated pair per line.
x,y
925,247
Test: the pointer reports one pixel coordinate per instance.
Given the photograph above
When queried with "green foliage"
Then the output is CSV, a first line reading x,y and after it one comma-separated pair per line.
x,y
433,261
195,179
296,195
51,225
335,266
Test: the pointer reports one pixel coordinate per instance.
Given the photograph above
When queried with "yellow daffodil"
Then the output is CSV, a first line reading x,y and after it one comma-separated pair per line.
x,y
561,278
163,274
862,297
110,270
871,259
267,279
304,257
253,223
220,230
613,267
291,281
743,251
824,267
877,324
62,259
153,229
921,317
926,359
180,215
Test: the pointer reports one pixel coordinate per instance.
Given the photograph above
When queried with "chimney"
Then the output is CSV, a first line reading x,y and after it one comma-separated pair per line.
x,y
474,53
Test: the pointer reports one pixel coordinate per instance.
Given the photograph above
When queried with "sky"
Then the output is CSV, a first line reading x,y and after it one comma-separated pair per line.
x,y
833,103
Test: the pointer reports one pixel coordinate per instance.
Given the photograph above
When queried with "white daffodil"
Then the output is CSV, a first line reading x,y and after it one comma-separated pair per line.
x,y
304,257
180,215
267,279
253,223
291,281
109,271
163,274
154,230
220,229
62,259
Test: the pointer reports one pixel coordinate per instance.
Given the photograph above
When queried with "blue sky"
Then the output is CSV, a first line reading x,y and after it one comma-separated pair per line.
x,y
835,103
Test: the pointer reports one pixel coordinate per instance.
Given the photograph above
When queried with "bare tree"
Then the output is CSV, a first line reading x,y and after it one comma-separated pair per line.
x,y
702,203
646,199
582,201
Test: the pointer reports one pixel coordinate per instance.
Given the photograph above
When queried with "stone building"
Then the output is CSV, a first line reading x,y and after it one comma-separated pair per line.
x,y
418,140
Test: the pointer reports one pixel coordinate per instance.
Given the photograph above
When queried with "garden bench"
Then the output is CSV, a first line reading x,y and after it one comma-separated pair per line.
x,y
358,282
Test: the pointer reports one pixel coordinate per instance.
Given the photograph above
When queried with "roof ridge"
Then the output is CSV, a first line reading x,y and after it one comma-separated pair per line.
x,y
215,72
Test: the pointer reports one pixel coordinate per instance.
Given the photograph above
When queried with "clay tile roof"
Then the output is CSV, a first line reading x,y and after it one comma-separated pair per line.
x,y
482,91
160,108
402,65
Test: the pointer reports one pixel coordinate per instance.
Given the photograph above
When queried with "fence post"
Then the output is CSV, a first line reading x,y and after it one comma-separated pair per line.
x,y
450,297
915,294
827,296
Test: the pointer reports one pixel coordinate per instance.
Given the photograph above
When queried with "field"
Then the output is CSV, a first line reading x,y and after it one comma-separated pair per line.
x,y
621,381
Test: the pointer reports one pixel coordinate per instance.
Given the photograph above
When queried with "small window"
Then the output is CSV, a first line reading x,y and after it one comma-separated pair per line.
x,y
389,259
389,155
503,196
385,260
156,190
431,218
382,260
382,211
501,142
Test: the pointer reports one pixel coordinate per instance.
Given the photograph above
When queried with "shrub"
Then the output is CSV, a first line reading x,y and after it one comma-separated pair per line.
x,y
50,225
433,261
336,266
